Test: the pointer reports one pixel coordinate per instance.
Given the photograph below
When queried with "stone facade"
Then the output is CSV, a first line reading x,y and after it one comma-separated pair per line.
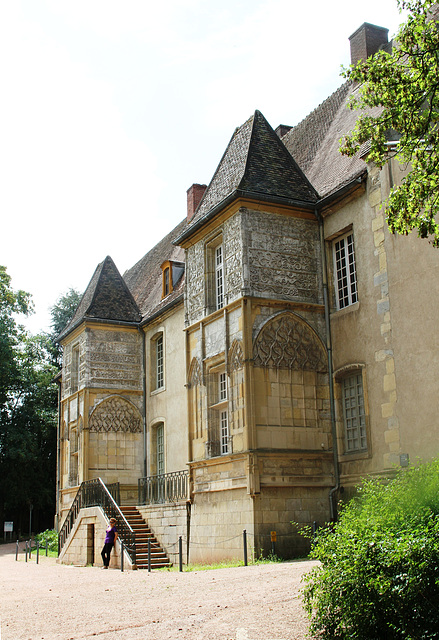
x,y
295,356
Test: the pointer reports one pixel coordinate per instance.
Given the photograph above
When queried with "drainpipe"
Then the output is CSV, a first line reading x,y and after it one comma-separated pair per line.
x,y
144,398
332,507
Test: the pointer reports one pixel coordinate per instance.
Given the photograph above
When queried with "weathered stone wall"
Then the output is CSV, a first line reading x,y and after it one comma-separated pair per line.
x,y
197,280
108,358
86,540
113,359
217,524
282,257
168,522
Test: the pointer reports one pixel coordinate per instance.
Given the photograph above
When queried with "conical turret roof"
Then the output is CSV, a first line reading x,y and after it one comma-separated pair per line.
x,y
255,164
107,297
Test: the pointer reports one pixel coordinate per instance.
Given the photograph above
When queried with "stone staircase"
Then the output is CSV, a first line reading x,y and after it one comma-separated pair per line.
x,y
143,533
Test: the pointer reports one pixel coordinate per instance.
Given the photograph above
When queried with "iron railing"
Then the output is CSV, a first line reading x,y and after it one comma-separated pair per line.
x,y
94,493
167,487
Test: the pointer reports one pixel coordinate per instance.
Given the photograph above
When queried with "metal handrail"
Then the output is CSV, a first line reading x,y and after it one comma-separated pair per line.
x,y
165,487
94,493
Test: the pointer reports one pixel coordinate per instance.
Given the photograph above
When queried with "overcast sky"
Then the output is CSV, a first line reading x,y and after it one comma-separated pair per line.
x,y
111,109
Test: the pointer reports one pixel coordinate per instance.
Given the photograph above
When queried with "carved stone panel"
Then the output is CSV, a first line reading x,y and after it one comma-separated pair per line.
x,y
236,356
115,414
287,342
283,257
233,257
195,279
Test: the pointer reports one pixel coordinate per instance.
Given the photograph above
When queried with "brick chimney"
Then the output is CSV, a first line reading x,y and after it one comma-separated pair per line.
x,y
366,41
194,195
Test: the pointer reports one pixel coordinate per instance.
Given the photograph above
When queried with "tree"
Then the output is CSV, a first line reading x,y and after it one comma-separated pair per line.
x,y
62,312
378,576
28,409
11,303
404,85
28,438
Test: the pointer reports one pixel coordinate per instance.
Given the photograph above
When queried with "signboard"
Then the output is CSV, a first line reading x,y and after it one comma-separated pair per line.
x,y
273,536
9,527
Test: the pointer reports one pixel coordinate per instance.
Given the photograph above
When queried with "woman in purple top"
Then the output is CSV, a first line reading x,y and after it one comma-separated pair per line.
x,y
110,539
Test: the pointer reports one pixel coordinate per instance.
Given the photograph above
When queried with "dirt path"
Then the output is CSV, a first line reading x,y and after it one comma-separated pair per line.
x,y
57,602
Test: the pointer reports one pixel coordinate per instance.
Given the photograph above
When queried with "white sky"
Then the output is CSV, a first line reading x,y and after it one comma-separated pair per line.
x,y
111,109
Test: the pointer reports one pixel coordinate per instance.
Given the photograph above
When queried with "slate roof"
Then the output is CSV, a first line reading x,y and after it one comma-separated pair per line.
x,y
255,164
144,279
107,297
303,167
315,142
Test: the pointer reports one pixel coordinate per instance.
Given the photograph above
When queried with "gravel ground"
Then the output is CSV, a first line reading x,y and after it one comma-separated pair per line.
x,y
58,602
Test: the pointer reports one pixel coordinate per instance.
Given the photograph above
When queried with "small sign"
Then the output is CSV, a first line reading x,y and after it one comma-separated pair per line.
x,y
9,527
273,536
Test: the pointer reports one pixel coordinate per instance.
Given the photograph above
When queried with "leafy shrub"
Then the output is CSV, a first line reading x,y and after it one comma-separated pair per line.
x,y
51,535
379,572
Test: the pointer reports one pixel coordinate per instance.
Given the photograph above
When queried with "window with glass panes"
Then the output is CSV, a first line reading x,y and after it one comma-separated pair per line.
x,y
353,413
224,428
222,387
345,271
219,277
160,449
159,363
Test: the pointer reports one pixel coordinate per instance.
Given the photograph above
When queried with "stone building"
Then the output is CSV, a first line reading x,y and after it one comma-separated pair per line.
x,y
270,352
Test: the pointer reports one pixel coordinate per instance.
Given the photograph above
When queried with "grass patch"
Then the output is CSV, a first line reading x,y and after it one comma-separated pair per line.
x,y
223,564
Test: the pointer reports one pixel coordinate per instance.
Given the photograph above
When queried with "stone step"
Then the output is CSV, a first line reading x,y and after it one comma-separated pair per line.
x,y
143,533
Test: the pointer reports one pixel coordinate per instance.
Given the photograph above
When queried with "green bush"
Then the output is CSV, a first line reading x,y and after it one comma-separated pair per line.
x,y
51,535
379,572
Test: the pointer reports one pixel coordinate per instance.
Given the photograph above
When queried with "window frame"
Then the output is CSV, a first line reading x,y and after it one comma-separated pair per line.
x,y
215,291
345,270
219,439
157,362
355,415
160,448
219,277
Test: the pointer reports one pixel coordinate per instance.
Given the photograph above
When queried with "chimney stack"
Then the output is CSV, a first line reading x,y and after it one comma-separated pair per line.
x,y
366,41
194,195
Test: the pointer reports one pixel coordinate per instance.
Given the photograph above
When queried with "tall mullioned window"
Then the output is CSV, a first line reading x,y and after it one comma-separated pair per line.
x,y
215,294
219,277
159,363
160,449
345,271
354,413
224,427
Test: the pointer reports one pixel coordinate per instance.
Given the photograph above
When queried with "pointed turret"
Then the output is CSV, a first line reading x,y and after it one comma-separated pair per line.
x,y
107,298
256,164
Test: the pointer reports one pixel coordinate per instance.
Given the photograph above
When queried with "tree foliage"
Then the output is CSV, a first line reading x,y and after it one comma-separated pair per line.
x,y
379,572
62,312
28,409
11,303
404,85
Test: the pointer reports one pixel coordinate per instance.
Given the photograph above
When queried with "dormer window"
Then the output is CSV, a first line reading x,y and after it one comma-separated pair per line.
x,y
171,274
166,280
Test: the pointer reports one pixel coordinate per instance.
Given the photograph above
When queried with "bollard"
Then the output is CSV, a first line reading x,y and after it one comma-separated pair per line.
x,y
25,550
16,552
121,555
180,553
38,551
244,537
149,554
47,547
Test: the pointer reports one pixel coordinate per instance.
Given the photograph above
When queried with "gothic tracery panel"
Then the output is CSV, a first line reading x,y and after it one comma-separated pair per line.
x,y
115,414
287,342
